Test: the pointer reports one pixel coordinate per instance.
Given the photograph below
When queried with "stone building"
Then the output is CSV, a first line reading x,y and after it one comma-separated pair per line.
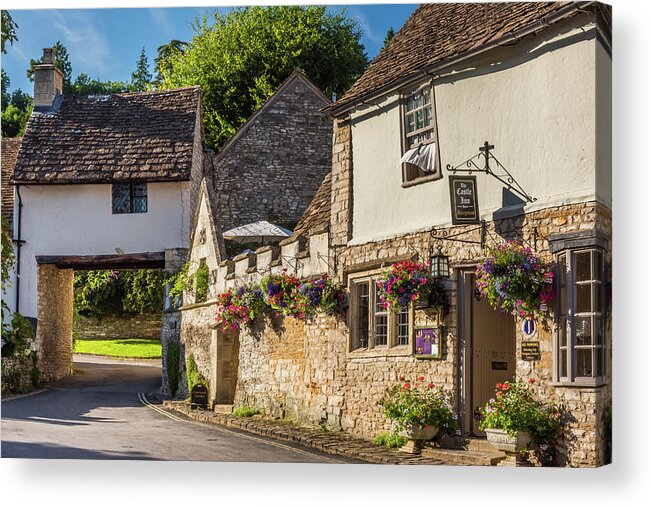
x,y
530,84
273,165
269,170
100,182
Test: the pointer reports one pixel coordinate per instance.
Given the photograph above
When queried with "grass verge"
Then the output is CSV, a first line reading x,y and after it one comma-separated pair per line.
x,y
140,348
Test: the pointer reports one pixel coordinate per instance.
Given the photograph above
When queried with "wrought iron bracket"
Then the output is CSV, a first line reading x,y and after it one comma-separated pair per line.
x,y
472,165
444,235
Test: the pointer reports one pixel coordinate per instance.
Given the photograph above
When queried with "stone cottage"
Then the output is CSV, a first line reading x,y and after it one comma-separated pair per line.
x,y
521,94
100,182
269,170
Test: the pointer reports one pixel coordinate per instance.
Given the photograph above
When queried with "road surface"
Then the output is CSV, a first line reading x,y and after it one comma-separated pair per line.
x,y
100,413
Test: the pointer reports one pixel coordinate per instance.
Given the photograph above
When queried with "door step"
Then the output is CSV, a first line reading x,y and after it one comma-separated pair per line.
x,y
464,457
223,409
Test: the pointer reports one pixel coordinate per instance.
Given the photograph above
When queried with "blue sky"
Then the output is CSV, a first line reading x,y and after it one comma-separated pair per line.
x,y
105,43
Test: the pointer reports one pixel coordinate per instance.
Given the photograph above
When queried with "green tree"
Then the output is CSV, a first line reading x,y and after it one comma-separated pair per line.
x,y
242,58
8,31
141,77
390,34
21,100
14,121
85,85
62,63
162,62
6,97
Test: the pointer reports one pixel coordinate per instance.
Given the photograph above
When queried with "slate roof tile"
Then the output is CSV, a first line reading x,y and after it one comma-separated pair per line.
x,y
10,146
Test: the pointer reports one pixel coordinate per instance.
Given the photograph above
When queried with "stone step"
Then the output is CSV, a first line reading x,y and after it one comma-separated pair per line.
x,y
223,409
463,457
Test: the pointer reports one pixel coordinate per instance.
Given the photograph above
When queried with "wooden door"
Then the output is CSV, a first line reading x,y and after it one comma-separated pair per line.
x,y
492,353
226,366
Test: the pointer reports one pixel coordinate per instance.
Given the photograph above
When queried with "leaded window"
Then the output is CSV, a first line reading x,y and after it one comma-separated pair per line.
x,y
129,197
580,329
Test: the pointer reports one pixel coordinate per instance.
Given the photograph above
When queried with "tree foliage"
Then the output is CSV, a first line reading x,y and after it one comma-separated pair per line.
x,y
387,38
8,31
103,292
244,55
162,62
85,85
141,77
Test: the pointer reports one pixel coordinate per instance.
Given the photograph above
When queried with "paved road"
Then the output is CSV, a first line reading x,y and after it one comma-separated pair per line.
x,y
99,414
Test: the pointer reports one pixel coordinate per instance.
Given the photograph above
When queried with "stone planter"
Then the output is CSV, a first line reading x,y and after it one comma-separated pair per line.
x,y
512,446
417,436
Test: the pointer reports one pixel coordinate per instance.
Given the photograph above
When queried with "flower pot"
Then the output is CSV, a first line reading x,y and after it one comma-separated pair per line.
x,y
417,436
512,446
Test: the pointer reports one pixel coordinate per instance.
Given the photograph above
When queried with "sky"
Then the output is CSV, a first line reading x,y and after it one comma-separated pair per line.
x,y
105,42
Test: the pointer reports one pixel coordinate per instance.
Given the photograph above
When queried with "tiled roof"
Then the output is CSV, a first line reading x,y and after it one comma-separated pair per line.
x,y
105,138
439,31
10,146
317,215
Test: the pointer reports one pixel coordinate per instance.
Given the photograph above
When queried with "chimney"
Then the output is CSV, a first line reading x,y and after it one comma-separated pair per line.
x,y
48,82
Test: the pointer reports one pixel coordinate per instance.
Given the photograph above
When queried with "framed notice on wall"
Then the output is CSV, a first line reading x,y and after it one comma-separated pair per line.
x,y
428,342
463,199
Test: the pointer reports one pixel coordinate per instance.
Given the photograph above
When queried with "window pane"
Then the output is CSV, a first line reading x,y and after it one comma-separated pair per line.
x,y
562,334
583,266
121,198
583,331
362,314
598,265
583,298
411,125
418,100
598,330
427,97
420,121
598,303
410,103
600,362
428,116
563,363
381,328
584,362
403,328
139,197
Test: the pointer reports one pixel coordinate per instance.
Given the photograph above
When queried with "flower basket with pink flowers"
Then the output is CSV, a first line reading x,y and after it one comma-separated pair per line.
x,y
408,281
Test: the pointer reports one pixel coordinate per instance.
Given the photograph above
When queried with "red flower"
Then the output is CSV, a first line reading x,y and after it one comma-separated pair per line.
x,y
532,380
430,385
421,378
402,377
407,385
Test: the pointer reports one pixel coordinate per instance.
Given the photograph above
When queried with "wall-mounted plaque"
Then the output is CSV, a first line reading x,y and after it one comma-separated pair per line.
x,y
199,396
530,350
428,342
463,199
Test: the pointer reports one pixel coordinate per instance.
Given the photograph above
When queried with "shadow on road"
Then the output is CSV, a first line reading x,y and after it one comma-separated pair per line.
x,y
52,451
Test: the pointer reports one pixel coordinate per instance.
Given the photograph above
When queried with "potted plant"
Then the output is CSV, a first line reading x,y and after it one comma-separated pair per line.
x,y
322,296
239,306
406,282
515,280
515,419
419,411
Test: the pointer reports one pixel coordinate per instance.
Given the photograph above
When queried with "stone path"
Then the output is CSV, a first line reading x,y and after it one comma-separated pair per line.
x,y
332,442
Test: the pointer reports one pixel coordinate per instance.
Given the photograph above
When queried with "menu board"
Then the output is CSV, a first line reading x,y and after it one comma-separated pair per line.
x,y
428,342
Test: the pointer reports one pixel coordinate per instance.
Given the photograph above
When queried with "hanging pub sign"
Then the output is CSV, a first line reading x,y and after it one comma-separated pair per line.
x,y
428,342
463,198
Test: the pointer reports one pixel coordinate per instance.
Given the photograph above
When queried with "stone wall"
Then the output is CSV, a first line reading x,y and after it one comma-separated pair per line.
x,y
54,313
273,166
113,327
196,339
19,374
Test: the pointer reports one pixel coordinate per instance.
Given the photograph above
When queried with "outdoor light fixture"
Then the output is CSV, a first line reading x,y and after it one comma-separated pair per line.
x,y
439,267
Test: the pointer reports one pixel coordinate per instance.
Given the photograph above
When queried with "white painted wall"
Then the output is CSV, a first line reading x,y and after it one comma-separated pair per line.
x,y
78,220
537,109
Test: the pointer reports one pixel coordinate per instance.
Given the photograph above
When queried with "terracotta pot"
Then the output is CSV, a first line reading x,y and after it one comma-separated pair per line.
x,y
502,441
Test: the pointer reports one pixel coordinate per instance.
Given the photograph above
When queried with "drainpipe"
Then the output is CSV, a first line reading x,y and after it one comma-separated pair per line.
x,y
19,242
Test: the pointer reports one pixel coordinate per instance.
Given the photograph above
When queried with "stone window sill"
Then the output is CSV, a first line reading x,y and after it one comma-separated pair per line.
x,y
424,179
581,384
381,352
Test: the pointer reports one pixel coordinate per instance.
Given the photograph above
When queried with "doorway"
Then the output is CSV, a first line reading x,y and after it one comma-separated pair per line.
x,y
487,339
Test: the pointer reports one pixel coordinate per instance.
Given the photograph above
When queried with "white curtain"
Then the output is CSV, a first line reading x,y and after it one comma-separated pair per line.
x,y
424,157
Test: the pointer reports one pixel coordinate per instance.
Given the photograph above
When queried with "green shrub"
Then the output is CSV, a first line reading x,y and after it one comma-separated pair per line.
x,y
193,375
201,282
390,440
172,360
245,411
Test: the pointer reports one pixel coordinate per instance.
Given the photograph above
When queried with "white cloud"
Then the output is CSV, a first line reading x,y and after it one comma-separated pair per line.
x,y
86,42
162,21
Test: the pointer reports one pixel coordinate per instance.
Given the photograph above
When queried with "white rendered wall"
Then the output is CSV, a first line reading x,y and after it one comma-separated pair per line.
x,y
538,110
78,220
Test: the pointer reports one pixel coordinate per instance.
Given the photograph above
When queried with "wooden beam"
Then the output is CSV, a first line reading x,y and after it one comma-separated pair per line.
x,y
149,260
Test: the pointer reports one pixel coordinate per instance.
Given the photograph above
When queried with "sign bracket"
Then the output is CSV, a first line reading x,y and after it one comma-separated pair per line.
x,y
472,166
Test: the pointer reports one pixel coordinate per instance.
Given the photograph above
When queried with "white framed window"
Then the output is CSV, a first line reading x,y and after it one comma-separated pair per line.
x,y
420,133
373,326
580,334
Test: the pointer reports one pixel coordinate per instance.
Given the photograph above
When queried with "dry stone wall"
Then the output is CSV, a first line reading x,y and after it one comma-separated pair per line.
x,y
114,327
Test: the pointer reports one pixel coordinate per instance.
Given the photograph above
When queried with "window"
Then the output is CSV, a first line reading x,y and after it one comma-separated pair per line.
x,y
129,198
580,330
372,326
419,129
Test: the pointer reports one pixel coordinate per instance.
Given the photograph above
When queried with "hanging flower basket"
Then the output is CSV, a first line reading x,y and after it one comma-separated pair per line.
x,y
239,306
515,280
322,296
409,281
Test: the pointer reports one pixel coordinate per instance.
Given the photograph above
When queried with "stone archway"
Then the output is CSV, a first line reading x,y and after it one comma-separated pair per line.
x,y
55,295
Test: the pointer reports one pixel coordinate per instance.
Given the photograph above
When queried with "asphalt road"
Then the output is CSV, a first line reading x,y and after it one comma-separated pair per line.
x,y
98,413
